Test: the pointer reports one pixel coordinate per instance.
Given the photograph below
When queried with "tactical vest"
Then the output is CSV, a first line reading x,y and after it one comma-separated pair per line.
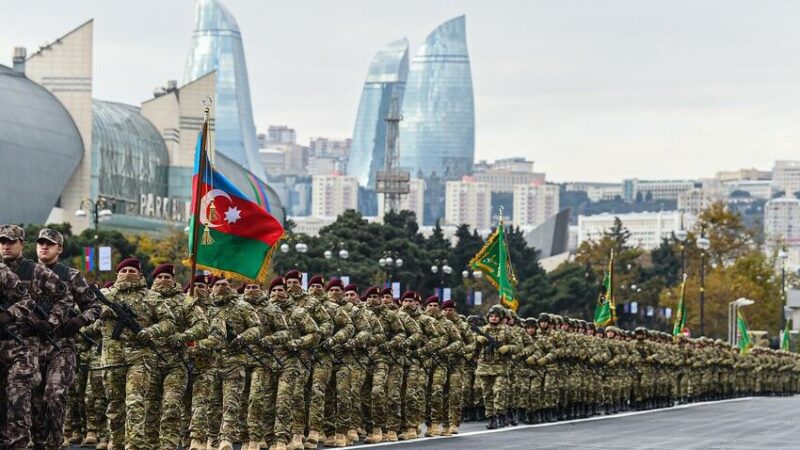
x,y
24,271
62,271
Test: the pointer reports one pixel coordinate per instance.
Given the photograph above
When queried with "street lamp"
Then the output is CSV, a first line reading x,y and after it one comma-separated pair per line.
x,y
299,247
783,256
733,309
391,261
99,211
681,235
703,244
343,254
443,269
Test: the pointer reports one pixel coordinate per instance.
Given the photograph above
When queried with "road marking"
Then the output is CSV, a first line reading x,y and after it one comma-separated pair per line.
x,y
553,424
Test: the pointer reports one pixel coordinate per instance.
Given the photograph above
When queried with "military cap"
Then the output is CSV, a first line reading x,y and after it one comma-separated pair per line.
x,y
128,262
316,279
51,235
277,281
408,295
164,268
334,283
431,299
293,275
386,291
448,304
372,290
12,232
202,278
498,310
240,289
351,287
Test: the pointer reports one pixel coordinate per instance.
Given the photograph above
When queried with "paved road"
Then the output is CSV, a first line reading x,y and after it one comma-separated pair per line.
x,y
750,423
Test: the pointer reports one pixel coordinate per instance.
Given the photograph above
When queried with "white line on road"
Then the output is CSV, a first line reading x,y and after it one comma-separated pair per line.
x,y
552,424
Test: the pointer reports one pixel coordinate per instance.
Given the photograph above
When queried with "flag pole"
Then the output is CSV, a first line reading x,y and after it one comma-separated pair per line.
x,y
201,170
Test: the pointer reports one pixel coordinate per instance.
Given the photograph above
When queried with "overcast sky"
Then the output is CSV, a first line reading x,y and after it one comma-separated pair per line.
x,y
590,90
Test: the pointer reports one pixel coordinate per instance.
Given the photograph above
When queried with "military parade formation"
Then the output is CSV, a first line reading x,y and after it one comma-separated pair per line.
x,y
217,362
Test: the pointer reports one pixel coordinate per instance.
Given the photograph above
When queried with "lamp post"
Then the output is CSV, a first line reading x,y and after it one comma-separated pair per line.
x,y
443,269
681,235
733,309
703,244
342,253
99,211
390,261
299,247
783,256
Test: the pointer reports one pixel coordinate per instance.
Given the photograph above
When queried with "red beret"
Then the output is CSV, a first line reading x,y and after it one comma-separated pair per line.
x,y
387,290
408,294
202,278
333,283
108,284
293,274
277,281
372,290
129,262
448,304
316,279
164,268
351,287
240,289
432,299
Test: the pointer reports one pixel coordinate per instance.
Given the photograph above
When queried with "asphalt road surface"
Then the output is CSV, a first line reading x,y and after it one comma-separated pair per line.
x,y
747,423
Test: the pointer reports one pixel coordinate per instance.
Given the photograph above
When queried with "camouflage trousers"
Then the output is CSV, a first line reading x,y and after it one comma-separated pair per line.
x,y
319,379
535,390
373,395
270,407
454,394
553,386
49,398
137,386
394,383
20,366
95,401
494,390
196,404
416,382
163,407
114,387
339,402
358,378
231,381
298,399
472,394
76,420
521,386
437,377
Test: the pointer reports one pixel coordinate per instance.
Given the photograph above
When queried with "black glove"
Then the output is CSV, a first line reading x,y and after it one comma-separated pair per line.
x,y
71,327
6,318
42,327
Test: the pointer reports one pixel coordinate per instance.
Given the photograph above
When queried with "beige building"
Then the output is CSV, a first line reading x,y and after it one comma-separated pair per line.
x,y
414,201
331,195
751,174
65,69
647,229
786,176
503,174
696,200
782,222
468,201
533,204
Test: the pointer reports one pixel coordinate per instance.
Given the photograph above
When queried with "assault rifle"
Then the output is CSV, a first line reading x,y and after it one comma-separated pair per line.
x,y
492,345
4,331
230,336
126,318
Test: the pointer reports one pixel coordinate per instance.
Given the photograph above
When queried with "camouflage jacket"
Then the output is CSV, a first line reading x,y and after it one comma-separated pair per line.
x,y
46,289
191,323
15,300
493,362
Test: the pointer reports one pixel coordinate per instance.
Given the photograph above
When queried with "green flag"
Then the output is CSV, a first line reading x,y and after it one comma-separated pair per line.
x,y
494,261
680,311
744,337
606,312
785,338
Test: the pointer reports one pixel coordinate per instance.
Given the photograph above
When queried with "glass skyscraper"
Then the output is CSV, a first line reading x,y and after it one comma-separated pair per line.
x,y
386,80
217,45
437,133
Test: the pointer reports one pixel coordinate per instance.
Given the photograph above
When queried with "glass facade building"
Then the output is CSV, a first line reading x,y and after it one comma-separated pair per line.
x,y
217,45
437,134
129,157
386,80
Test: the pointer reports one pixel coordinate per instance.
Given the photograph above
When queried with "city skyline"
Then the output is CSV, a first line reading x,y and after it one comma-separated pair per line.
x,y
639,89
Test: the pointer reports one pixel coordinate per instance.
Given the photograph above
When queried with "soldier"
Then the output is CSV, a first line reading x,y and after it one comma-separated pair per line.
x,y
496,344
18,355
441,367
170,379
455,375
58,363
397,372
362,372
472,394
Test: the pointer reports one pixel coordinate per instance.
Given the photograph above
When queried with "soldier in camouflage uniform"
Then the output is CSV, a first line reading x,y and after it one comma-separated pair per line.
x,y
544,355
169,380
517,372
442,368
456,375
496,344
19,361
473,396
234,325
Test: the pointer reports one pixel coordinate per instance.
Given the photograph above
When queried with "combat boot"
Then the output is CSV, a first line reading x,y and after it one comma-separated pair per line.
x,y
103,444
339,440
391,436
480,412
75,438
492,423
375,437
90,439
434,430
225,445
512,416
452,430
197,445
312,440
252,445
330,440
412,433
296,444
280,446
209,444
362,433
502,420
352,435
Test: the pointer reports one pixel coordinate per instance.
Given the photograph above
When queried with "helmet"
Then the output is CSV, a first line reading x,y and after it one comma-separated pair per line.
x,y
498,310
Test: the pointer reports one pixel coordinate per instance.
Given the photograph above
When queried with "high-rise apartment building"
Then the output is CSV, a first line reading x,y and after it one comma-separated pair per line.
x,y
331,195
533,204
470,202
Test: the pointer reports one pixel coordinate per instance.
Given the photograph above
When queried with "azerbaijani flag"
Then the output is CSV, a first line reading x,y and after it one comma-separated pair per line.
x,y
237,235
88,255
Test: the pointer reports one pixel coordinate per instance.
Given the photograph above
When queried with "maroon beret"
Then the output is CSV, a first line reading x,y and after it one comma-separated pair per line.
x,y
372,290
129,262
432,299
202,278
351,287
408,294
316,279
333,283
164,268
448,304
277,281
387,290
108,284
293,274
240,289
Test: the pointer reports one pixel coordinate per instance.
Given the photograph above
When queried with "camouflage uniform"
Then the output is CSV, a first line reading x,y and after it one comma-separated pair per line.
x,y
169,379
360,387
196,403
383,365
20,362
493,364
457,375
445,366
